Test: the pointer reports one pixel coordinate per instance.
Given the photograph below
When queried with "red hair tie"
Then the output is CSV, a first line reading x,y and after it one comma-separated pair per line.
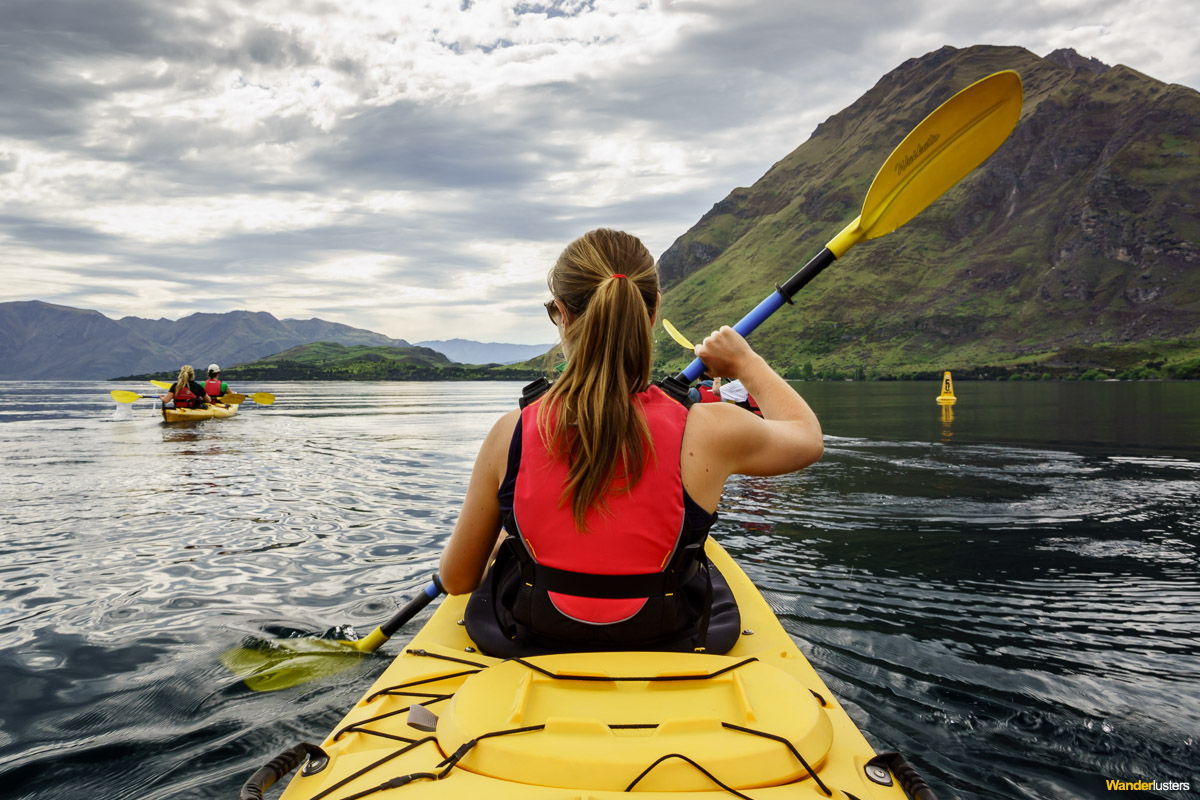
x,y
618,275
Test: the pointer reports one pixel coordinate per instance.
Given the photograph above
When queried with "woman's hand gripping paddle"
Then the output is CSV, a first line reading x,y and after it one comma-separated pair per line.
x,y
954,139
266,666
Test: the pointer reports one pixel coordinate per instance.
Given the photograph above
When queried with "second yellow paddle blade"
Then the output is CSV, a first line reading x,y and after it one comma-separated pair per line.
x,y
164,385
122,396
676,335
263,398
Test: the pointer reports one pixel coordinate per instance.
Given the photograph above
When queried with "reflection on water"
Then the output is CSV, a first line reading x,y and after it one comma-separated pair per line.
x,y
1007,592
946,412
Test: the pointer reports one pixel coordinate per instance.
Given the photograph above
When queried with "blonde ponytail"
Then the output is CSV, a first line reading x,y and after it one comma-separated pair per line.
x,y
607,282
186,376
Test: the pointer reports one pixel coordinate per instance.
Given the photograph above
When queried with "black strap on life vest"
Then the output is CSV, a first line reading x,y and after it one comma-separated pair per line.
x,y
676,389
613,587
534,390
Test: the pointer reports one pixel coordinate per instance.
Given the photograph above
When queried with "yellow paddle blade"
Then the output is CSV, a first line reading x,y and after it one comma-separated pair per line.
x,y
676,335
164,385
263,398
122,396
285,663
954,139
233,399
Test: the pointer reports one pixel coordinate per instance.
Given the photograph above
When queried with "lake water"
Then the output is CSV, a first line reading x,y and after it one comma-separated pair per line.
x,y
1006,592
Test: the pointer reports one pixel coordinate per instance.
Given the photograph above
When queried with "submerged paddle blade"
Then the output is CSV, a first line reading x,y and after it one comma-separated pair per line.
x,y
954,139
676,335
289,662
232,399
122,396
282,664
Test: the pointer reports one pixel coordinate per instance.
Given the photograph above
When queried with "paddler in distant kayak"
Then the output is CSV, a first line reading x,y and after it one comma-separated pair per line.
x,y
214,387
708,390
606,486
186,392
735,392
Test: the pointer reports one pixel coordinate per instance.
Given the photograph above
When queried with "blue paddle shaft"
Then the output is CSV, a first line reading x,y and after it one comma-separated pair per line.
x,y
771,304
744,326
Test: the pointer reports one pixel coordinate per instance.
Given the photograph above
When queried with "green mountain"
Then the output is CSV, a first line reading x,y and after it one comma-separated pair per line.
x,y
1075,247
329,361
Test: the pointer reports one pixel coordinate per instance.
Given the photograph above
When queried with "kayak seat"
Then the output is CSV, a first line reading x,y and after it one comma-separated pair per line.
x,y
489,626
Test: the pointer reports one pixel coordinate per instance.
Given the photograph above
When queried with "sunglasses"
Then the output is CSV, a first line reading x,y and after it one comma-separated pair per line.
x,y
553,312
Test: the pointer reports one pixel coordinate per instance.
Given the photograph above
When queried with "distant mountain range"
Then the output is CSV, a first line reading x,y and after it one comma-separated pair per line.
x,y
465,351
1075,247
45,341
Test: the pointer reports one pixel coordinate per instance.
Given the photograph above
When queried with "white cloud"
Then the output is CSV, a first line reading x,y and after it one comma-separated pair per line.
x,y
415,167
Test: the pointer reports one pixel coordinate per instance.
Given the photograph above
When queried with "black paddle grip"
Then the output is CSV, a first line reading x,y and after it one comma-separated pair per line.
x,y
266,776
413,607
906,775
806,273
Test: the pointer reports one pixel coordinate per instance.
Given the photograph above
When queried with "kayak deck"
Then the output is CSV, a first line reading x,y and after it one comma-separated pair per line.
x,y
211,411
592,726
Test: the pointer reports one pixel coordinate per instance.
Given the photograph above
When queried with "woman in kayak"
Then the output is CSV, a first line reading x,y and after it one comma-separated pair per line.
x,y
186,392
607,486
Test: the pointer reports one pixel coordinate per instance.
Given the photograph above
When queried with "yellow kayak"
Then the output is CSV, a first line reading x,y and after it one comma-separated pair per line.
x,y
211,411
445,721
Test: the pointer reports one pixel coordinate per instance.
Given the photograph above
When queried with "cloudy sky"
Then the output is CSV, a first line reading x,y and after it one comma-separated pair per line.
x,y
414,166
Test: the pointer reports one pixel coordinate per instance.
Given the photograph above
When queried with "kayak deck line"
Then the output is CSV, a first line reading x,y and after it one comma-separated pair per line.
x,y
445,721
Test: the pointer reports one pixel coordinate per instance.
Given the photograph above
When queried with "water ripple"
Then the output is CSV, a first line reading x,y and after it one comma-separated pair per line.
x,y
1020,620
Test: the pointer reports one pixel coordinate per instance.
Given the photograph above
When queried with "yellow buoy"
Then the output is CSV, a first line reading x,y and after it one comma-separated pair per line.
x,y
947,398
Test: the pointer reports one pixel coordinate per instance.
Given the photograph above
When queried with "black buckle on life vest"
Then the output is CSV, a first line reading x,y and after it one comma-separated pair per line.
x,y
534,390
676,389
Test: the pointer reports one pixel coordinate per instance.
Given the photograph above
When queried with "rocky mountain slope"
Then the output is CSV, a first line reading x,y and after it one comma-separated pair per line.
x,y
1075,246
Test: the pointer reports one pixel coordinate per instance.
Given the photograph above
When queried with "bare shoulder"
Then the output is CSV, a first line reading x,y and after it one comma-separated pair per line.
x,y
712,425
502,429
716,413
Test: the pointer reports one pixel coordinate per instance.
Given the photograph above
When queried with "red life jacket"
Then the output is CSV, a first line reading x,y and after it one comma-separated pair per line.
x,y
707,395
636,533
184,396
212,387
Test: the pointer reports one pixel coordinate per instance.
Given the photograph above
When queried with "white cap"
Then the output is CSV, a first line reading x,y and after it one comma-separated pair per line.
x,y
213,368
734,391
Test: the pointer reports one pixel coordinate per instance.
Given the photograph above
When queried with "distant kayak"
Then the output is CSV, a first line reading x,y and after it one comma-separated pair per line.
x,y
211,411
446,721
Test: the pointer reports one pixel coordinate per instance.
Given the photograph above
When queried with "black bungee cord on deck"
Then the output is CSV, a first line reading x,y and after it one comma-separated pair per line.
x,y
318,759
